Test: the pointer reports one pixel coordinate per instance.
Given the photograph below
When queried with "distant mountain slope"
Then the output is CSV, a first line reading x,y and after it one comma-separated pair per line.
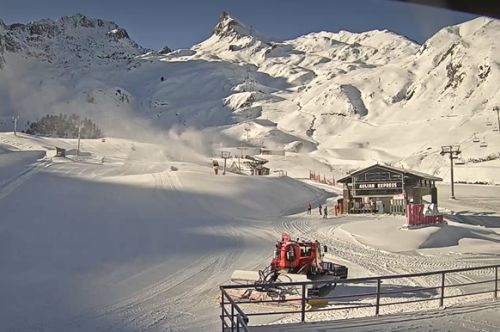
x,y
350,97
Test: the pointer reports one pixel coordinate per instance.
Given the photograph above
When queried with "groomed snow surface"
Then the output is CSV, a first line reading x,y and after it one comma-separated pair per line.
x,y
125,243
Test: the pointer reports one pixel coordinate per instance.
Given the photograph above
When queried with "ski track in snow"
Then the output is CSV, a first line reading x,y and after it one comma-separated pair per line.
x,y
172,302
11,184
140,311
378,262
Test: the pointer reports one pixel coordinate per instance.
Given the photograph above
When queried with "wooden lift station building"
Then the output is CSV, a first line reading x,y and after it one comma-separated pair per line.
x,y
385,189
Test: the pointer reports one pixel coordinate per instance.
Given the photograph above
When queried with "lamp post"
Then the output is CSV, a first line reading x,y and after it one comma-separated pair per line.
x,y
15,118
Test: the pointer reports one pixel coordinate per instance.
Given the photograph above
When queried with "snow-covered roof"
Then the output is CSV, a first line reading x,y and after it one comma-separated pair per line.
x,y
406,172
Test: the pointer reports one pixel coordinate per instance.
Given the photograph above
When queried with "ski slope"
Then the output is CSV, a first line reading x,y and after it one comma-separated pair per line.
x,y
128,244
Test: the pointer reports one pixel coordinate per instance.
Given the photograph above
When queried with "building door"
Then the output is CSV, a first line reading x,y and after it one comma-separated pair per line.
x,y
397,204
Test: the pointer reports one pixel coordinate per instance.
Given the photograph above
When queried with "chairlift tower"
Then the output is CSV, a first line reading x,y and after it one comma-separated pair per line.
x,y
453,151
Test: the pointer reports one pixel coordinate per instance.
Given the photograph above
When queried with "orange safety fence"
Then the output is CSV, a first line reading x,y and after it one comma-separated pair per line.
x,y
321,178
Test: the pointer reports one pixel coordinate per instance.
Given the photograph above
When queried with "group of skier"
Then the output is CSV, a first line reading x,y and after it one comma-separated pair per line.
x,y
322,210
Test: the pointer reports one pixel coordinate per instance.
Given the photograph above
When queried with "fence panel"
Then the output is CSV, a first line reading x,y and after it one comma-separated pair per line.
x,y
381,295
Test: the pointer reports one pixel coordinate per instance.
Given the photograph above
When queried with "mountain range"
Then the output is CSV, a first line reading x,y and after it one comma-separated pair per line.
x,y
344,98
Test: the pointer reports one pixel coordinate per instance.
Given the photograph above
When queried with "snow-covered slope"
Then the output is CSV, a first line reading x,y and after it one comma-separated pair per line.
x,y
139,241
351,98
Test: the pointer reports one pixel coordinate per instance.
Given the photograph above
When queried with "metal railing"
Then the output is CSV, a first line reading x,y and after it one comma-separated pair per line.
x,y
239,321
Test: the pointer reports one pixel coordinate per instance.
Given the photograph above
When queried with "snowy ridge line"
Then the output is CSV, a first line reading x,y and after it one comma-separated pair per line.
x,y
9,185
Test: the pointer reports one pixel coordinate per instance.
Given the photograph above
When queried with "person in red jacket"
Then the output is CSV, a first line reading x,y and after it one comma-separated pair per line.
x,y
309,207
320,211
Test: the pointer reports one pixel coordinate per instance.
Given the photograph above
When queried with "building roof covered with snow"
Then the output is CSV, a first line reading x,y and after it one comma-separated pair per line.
x,y
406,172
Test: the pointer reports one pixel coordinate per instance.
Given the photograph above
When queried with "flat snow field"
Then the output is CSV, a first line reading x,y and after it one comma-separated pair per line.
x,y
139,242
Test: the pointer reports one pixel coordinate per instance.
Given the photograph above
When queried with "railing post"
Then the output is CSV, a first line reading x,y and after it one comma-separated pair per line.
x,y
496,282
377,303
303,305
232,318
238,322
441,300
223,316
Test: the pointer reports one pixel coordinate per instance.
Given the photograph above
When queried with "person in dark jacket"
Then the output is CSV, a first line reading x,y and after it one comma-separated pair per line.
x,y
215,165
309,207
320,208
325,213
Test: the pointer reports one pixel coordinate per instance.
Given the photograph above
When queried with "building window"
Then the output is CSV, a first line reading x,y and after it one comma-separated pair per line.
x,y
377,192
377,176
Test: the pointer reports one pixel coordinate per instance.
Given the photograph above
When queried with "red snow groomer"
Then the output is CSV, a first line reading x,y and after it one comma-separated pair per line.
x,y
293,261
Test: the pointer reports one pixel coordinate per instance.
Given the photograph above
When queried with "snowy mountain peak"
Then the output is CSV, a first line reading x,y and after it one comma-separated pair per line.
x,y
229,26
50,28
226,25
80,20
70,38
165,50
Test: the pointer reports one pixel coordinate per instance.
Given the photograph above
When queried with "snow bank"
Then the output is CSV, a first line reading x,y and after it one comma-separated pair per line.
x,y
386,233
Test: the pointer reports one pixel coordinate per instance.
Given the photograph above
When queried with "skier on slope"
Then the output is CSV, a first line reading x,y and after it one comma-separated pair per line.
x,y
319,208
309,207
215,165
325,213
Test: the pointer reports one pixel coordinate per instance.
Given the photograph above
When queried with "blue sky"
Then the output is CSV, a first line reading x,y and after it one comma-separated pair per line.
x,y
183,23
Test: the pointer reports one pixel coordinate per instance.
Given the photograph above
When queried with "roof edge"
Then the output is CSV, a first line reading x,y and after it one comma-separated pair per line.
x,y
394,169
